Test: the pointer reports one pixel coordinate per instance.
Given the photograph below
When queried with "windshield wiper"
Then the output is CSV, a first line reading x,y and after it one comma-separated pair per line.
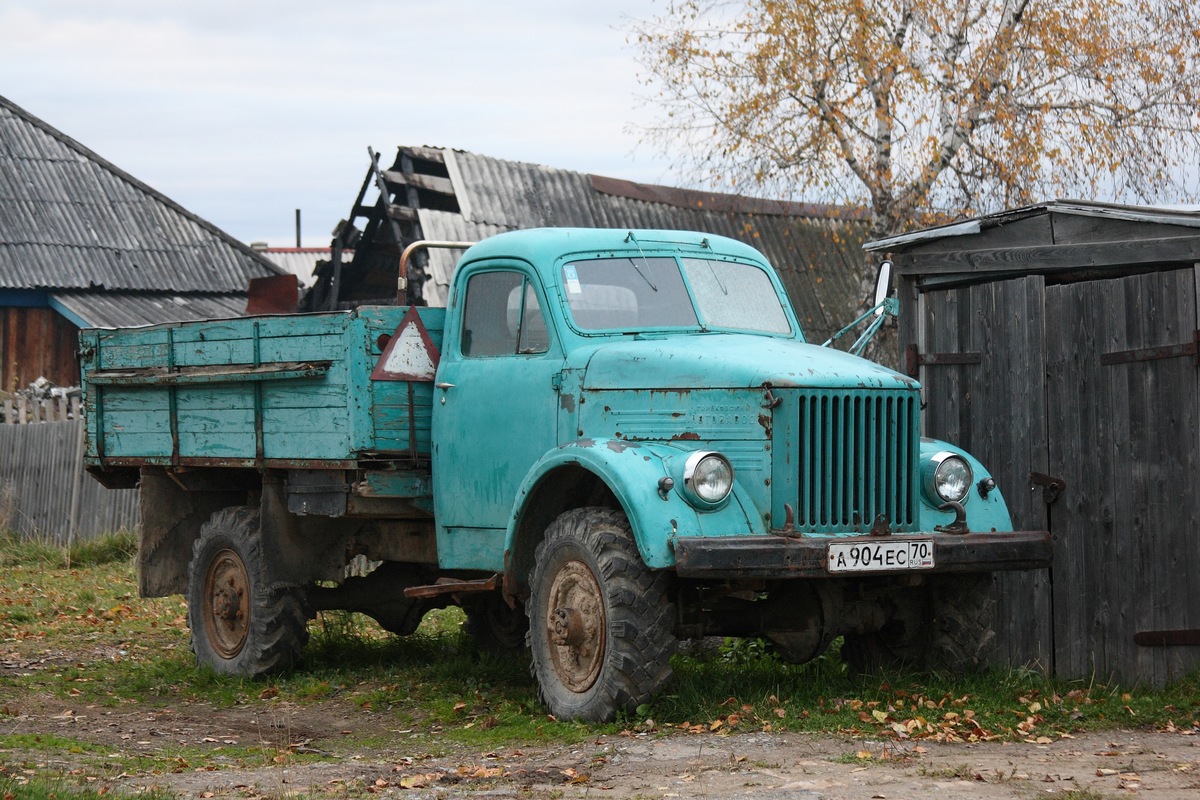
x,y
632,263
645,277
717,278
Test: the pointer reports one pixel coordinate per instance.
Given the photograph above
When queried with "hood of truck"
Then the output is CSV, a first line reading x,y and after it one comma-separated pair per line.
x,y
736,361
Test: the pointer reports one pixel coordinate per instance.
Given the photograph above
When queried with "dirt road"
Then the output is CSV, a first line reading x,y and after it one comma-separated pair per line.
x,y
320,751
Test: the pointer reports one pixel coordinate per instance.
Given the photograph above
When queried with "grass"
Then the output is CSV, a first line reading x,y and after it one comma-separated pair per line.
x,y
35,788
72,627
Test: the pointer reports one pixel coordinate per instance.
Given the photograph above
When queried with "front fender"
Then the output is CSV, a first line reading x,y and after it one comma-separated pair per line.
x,y
984,514
632,471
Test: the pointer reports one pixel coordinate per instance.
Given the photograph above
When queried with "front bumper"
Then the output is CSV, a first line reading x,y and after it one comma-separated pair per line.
x,y
805,557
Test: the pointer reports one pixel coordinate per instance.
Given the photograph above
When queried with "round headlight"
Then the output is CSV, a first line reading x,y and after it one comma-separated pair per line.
x,y
708,477
948,478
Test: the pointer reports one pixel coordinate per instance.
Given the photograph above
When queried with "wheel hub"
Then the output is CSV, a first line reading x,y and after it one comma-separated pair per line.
x,y
226,593
577,626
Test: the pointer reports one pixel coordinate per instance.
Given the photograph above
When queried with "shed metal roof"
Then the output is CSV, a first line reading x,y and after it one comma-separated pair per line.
x,y
1188,218
1063,240
71,220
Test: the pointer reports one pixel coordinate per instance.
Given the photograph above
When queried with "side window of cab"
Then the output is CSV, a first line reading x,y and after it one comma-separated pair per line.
x,y
502,317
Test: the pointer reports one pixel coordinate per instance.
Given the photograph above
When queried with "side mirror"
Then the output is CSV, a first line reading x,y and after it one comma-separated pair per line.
x,y
885,305
883,286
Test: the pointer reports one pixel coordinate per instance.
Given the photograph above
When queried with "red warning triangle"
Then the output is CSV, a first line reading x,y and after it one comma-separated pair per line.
x,y
410,354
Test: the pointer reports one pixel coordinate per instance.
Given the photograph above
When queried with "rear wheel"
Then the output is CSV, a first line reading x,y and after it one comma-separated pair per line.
x,y
962,627
495,626
240,625
946,625
600,622
902,643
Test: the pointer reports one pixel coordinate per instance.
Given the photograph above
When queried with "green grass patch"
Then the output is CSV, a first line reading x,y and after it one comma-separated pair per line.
x,y
73,626
16,550
35,788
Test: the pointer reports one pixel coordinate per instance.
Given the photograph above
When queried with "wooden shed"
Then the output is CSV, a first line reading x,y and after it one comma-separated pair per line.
x,y
1059,343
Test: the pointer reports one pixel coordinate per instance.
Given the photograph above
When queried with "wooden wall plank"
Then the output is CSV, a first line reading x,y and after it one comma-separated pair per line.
x,y
995,410
34,343
1123,437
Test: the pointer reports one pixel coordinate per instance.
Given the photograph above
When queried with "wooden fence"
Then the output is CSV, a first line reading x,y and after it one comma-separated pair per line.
x,y
22,409
45,492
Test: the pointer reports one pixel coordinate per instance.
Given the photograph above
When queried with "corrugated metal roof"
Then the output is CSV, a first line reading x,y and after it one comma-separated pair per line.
x,y
71,220
816,248
127,309
300,261
447,226
1188,218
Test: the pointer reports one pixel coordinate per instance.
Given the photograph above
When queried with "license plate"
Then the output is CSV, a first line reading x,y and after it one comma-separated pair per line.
x,y
880,556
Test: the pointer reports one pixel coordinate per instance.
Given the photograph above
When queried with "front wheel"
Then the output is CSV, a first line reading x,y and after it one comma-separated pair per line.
x,y
600,622
240,625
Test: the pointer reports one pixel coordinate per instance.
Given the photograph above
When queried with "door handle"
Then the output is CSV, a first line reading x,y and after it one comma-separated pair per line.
x,y
444,385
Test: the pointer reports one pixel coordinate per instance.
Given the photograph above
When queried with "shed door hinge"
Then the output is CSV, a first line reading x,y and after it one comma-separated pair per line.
x,y
914,360
1191,348
1051,487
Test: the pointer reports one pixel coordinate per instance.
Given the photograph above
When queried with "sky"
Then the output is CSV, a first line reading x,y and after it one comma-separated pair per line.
x,y
243,111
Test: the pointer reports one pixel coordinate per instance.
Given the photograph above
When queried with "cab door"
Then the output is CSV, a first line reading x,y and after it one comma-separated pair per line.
x,y
495,408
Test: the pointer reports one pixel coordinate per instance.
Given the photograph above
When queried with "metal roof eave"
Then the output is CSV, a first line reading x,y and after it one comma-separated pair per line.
x,y
1148,214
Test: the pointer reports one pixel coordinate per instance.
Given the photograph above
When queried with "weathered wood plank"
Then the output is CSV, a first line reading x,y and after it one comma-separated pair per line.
x,y
1042,259
430,182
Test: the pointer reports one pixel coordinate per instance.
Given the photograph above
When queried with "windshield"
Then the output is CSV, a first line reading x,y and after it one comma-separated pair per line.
x,y
631,294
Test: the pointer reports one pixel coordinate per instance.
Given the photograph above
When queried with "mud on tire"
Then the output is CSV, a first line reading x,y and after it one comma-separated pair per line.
x,y
241,625
600,622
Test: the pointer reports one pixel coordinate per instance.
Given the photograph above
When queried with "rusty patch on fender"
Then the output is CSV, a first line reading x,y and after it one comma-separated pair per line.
x,y
765,421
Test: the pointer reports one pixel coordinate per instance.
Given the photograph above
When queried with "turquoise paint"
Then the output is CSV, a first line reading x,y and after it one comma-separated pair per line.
x,y
632,472
397,483
733,360
497,414
983,515
471,548
628,407
329,416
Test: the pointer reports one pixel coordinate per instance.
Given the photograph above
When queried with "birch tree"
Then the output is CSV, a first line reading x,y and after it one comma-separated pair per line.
x,y
927,110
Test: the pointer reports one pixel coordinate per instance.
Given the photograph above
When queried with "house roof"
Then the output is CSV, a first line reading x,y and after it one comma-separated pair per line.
x,y
128,309
300,261
436,193
70,220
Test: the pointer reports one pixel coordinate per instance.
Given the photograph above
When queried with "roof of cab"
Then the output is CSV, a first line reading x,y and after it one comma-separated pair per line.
x,y
541,245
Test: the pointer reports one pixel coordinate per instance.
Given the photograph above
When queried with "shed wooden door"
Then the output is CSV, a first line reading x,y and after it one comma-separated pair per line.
x,y
983,385
1070,381
1122,402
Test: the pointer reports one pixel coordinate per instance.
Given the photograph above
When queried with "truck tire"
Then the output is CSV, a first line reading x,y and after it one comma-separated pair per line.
x,y
962,623
902,643
240,625
947,627
600,622
495,627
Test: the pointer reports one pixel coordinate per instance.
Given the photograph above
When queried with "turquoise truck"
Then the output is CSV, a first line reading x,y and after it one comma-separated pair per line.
x,y
607,442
